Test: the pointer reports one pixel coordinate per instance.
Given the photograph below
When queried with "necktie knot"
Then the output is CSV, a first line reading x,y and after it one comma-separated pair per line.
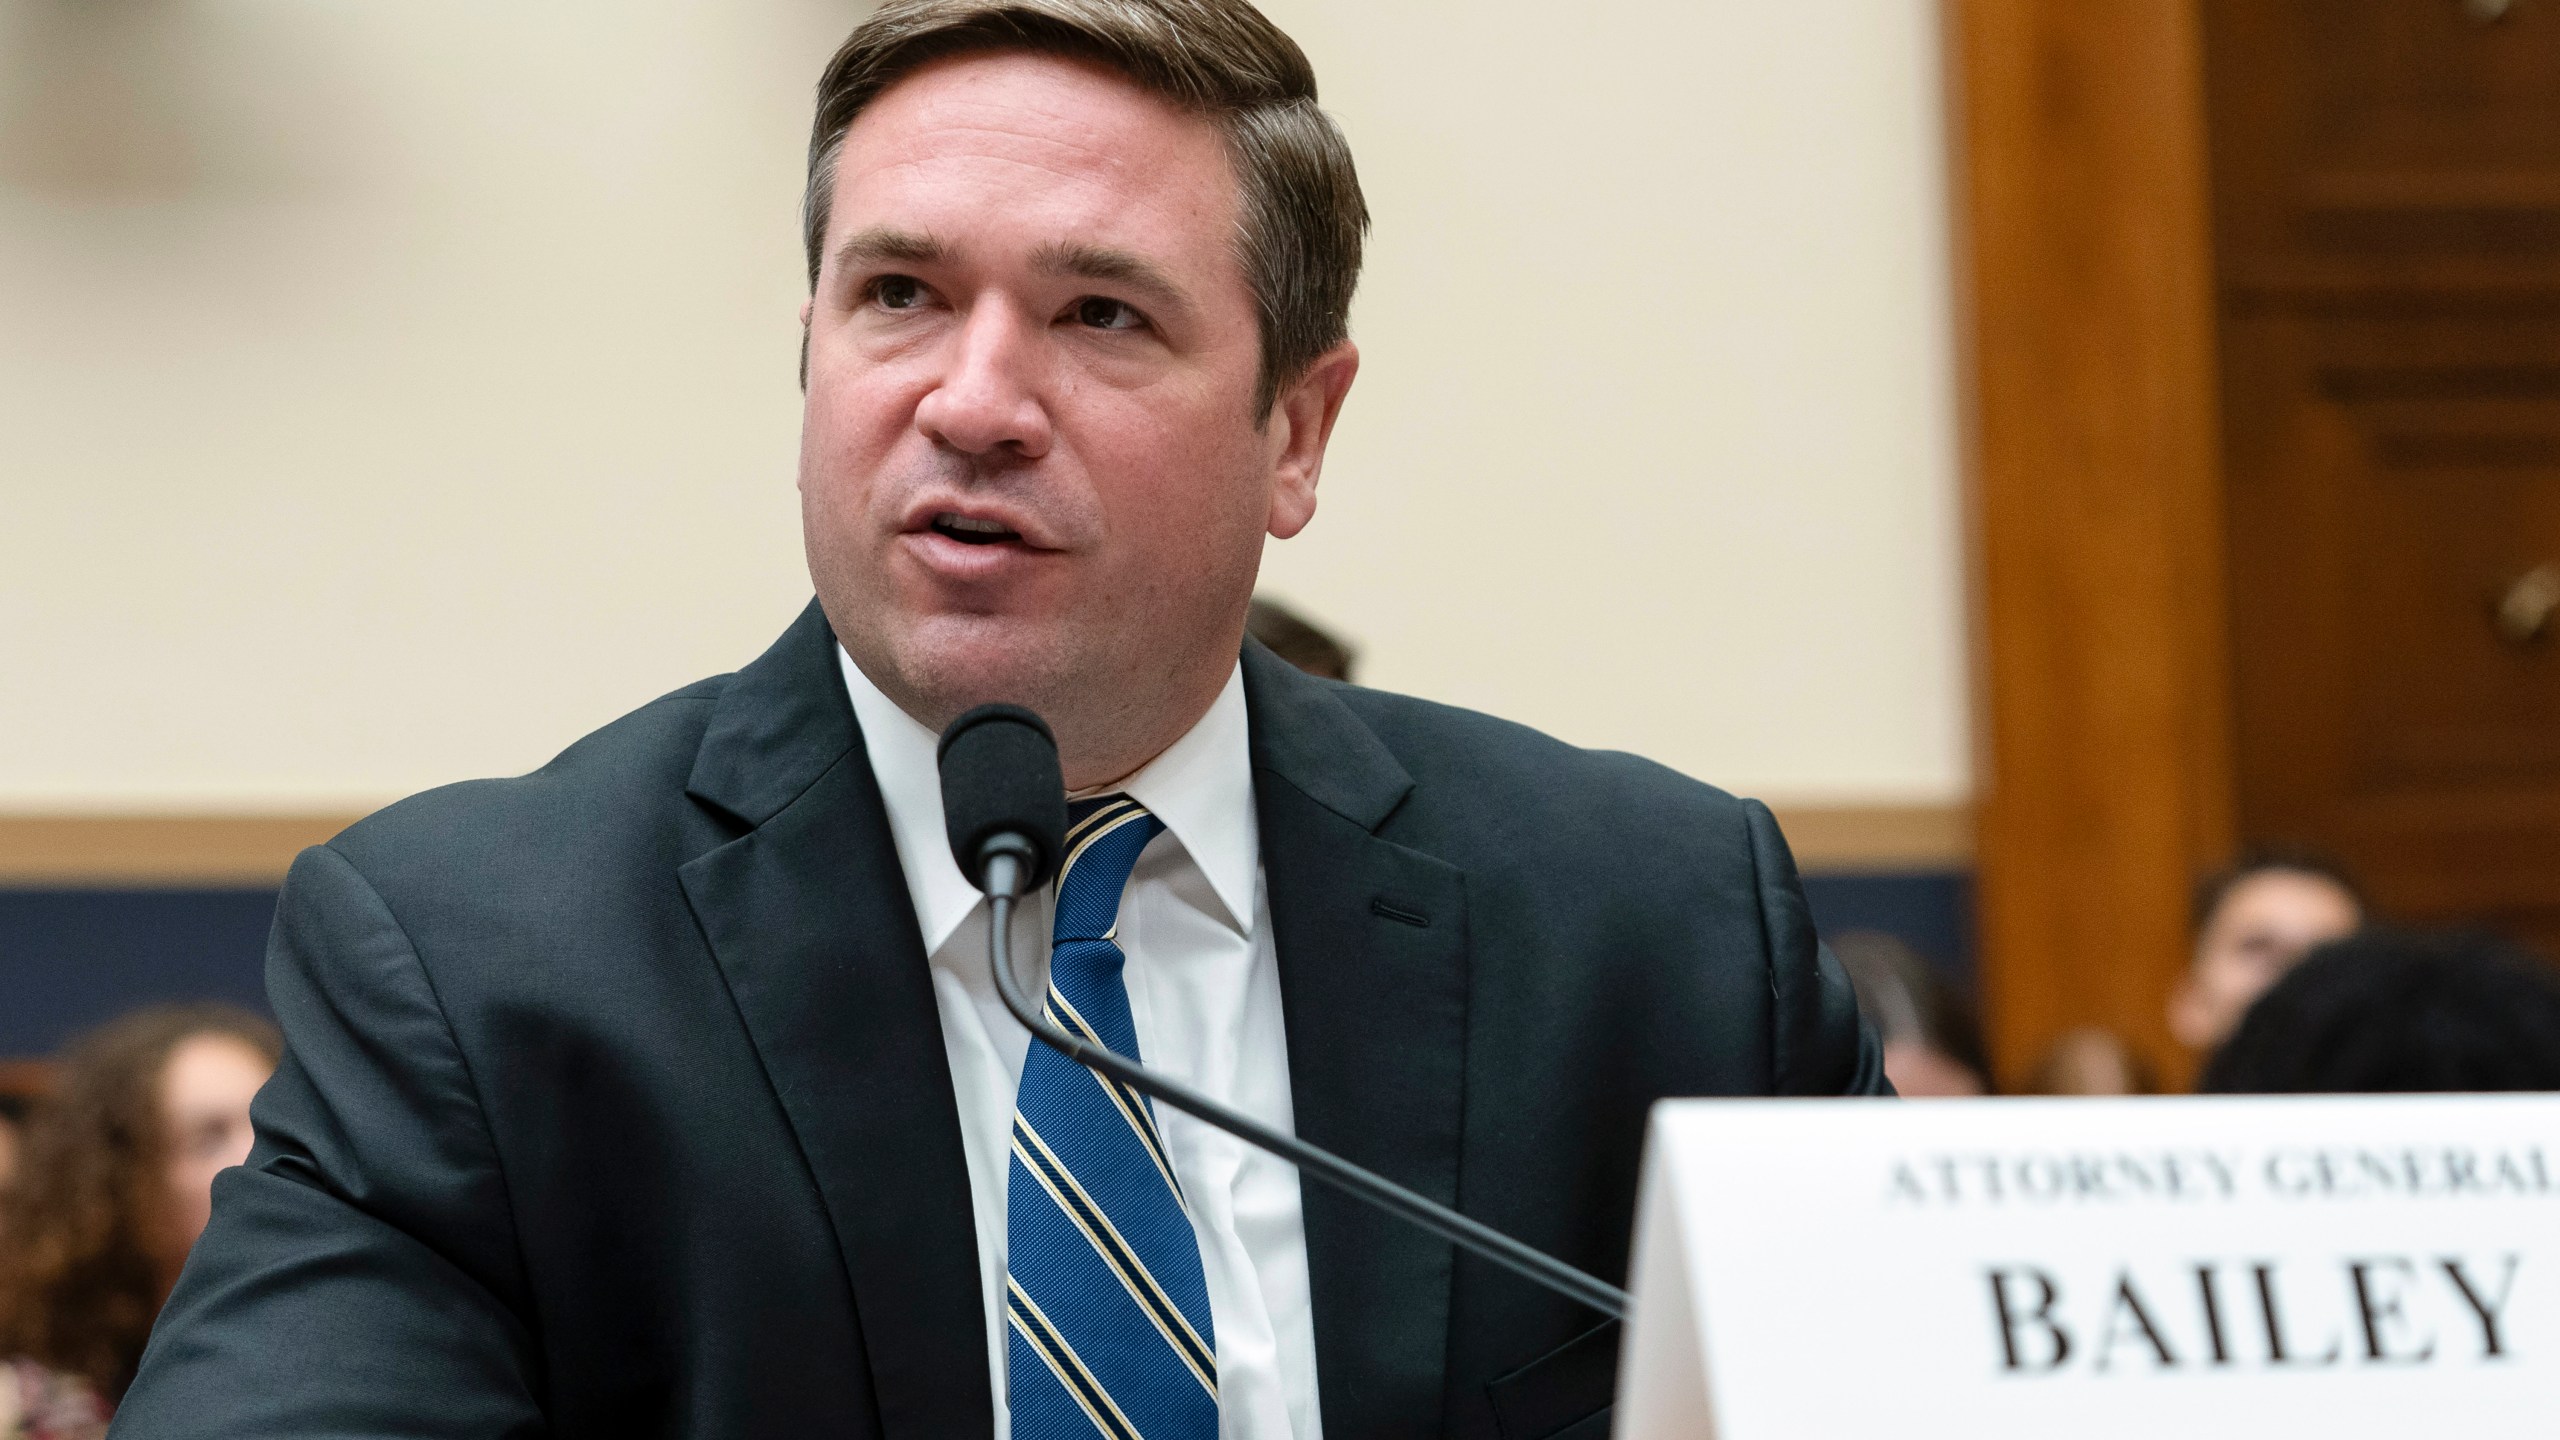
x,y
1104,836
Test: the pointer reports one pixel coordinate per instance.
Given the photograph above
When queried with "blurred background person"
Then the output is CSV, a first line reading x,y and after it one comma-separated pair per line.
x,y
2385,1012
2089,1061
1932,1043
1298,640
2254,920
115,1183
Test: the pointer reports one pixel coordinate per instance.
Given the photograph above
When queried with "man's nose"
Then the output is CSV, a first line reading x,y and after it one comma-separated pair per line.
x,y
989,398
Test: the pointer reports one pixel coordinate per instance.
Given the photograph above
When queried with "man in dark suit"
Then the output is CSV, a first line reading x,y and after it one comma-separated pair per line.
x,y
659,1092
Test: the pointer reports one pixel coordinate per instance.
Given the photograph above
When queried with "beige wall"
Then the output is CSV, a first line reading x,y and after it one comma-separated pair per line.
x,y
390,393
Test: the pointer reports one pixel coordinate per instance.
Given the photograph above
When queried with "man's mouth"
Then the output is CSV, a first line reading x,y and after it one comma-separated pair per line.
x,y
971,531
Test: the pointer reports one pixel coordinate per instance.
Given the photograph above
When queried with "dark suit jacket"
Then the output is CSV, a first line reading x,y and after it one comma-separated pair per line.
x,y
614,1101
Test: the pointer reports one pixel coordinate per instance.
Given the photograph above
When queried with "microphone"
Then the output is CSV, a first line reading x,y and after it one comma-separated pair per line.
x,y
1004,806
1004,802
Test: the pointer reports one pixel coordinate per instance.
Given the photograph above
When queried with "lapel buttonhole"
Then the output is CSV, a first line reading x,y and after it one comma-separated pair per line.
x,y
1389,909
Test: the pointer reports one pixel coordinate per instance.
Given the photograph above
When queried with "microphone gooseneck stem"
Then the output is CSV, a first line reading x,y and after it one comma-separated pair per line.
x,y
1003,879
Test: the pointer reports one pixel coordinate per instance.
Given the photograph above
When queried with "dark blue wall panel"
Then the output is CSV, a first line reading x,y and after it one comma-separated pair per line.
x,y
1930,911
72,958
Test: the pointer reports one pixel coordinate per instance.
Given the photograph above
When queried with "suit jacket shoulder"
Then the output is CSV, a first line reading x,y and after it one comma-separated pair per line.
x,y
548,1152
587,810
1528,945
1484,776
1633,896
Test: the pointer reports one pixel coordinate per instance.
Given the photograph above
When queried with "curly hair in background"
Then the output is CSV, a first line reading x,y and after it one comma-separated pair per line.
x,y
2394,1011
85,1231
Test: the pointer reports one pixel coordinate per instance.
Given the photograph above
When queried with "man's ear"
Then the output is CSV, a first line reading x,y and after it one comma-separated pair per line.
x,y
1303,417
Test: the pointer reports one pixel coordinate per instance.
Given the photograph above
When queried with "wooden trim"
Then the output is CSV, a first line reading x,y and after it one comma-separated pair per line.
x,y
102,851
26,1079
1853,839
2097,508
148,851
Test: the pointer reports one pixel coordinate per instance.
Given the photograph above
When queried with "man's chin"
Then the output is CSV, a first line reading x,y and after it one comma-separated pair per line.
x,y
947,665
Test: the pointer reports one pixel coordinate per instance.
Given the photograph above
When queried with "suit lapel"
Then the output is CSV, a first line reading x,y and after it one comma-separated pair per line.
x,y
809,918
1372,946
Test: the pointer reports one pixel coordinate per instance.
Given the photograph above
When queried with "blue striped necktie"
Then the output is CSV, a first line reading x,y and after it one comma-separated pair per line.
x,y
1108,1316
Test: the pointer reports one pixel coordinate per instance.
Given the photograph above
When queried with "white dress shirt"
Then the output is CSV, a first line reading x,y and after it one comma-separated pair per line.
x,y
1204,992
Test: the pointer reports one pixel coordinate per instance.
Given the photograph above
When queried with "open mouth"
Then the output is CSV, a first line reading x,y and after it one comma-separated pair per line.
x,y
970,531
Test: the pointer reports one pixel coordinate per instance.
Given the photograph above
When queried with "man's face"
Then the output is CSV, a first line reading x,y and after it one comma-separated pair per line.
x,y
2264,925
1031,467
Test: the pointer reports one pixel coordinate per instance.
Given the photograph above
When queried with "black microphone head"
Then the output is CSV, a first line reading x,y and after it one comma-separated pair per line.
x,y
1000,777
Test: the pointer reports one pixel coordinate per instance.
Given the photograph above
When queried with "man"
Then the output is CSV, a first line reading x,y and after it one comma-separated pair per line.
x,y
2254,920
664,1091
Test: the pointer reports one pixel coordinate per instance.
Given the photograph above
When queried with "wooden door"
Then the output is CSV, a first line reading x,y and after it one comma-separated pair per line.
x,y
2386,196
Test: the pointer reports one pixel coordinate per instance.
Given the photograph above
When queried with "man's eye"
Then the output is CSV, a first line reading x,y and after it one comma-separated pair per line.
x,y
897,292
1097,313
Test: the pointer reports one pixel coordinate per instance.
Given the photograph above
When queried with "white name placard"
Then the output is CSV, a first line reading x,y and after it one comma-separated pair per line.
x,y
2332,1266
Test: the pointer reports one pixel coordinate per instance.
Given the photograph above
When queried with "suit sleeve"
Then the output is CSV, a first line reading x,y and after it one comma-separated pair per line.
x,y
360,1275
1821,1045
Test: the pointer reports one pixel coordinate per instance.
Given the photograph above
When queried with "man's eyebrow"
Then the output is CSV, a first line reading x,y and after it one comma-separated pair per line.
x,y
1097,262
882,245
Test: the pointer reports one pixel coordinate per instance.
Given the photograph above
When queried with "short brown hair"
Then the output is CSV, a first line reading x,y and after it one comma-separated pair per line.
x,y
1303,216
81,1276
1298,640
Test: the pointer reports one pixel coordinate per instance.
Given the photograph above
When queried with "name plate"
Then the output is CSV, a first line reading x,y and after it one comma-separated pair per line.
x,y
2335,1266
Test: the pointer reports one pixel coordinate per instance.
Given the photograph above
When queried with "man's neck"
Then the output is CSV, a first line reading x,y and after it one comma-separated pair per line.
x,y
1096,754
1100,747
1100,769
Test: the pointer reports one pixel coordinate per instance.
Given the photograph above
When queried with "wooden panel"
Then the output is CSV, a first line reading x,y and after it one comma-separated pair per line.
x,y
26,1079
2105,782
147,850
2412,144
1861,839
2389,177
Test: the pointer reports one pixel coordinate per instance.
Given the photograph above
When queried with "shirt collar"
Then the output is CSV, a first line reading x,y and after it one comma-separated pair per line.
x,y
1201,787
